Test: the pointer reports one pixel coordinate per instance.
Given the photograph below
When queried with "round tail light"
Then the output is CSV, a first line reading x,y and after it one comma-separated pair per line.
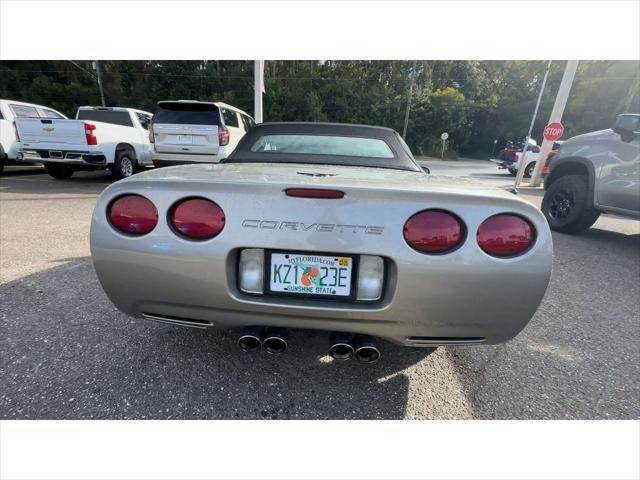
x,y
434,231
505,235
133,215
197,218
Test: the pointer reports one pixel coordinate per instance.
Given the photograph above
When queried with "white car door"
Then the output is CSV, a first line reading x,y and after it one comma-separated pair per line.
x,y
144,121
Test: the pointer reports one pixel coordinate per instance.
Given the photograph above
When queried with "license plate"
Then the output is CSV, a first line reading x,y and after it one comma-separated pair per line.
x,y
186,139
308,274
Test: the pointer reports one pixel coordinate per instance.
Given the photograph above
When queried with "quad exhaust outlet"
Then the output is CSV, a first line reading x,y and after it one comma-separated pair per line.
x,y
251,339
366,349
342,346
274,341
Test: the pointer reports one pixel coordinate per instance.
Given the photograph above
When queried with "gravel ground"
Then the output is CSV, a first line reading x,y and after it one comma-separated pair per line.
x,y
67,353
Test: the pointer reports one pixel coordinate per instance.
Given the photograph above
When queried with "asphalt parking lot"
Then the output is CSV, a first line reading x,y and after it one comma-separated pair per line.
x,y
67,353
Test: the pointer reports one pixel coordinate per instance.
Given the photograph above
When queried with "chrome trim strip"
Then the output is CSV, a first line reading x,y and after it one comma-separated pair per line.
x,y
201,324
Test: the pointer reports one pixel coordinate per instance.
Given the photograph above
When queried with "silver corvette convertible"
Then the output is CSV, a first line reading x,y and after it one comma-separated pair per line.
x,y
322,226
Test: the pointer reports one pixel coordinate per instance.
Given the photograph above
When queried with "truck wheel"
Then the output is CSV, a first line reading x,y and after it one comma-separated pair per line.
x,y
3,159
566,205
124,165
59,171
529,171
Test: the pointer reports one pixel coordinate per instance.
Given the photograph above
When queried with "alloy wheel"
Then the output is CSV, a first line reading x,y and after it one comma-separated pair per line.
x,y
562,204
126,166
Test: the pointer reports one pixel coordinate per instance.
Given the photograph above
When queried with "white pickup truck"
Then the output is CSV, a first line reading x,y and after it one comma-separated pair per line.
x,y
100,137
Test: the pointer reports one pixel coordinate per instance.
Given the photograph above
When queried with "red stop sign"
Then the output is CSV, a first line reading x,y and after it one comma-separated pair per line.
x,y
553,131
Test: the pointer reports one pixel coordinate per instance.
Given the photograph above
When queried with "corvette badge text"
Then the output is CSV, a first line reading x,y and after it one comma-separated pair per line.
x,y
312,227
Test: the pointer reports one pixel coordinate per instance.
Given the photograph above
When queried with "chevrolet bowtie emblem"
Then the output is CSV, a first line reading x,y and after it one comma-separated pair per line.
x,y
48,129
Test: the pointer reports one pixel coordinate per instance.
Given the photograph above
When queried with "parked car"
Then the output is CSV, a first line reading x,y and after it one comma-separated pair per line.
x,y
555,149
100,137
9,111
598,172
322,226
507,153
189,131
509,156
511,159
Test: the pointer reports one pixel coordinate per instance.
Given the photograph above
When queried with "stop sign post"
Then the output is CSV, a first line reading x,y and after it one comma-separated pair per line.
x,y
554,121
553,131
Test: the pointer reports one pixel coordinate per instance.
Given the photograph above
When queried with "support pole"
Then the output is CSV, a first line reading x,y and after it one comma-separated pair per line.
x,y
258,83
556,116
523,160
96,65
409,99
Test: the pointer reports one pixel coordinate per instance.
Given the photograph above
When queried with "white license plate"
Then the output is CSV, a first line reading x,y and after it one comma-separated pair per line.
x,y
185,139
308,274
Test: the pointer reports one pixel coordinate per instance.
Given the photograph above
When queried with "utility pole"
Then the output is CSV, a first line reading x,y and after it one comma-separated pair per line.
x,y
523,160
258,87
96,67
556,116
406,115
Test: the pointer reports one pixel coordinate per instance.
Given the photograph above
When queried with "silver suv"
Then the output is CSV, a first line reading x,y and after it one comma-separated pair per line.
x,y
595,173
189,131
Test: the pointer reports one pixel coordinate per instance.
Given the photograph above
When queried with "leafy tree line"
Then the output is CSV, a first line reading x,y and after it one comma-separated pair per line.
x,y
475,101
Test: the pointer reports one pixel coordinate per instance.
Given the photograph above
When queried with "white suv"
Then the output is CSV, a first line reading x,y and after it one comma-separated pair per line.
x,y
9,111
189,131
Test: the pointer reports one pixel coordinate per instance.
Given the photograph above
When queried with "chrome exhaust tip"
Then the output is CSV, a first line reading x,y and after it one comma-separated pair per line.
x,y
274,341
366,349
251,339
340,347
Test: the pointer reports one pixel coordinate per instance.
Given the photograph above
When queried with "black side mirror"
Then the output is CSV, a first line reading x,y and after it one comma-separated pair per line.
x,y
426,169
627,125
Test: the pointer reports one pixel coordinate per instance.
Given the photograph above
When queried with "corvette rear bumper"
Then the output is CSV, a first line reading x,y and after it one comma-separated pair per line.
x,y
464,297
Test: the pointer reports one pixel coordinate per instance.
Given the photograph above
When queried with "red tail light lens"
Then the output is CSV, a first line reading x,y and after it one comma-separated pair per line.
x,y
505,235
15,132
152,137
313,193
197,218
89,128
223,135
434,231
133,215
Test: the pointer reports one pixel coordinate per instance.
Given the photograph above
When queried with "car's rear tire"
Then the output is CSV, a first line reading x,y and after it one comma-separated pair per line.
x,y
124,165
59,171
566,205
529,170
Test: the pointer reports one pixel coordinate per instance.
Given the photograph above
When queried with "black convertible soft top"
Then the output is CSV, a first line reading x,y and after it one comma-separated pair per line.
x,y
402,158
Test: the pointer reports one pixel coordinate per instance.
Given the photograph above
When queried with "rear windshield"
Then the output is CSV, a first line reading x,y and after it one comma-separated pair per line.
x,y
187,113
22,111
323,145
106,116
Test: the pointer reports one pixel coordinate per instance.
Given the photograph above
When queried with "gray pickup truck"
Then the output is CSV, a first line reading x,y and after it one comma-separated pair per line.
x,y
598,172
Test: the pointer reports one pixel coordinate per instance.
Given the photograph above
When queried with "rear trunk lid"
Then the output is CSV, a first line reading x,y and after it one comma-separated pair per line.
x,y
42,133
186,127
379,183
